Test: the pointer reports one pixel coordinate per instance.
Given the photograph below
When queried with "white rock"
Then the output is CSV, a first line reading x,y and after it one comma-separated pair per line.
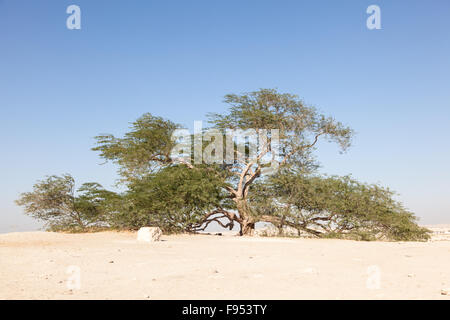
x,y
445,292
149,234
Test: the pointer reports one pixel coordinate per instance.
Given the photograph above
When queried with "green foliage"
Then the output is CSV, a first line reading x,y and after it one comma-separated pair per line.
x,y
54,202
300,126
143,149
96,204
336,207
175,199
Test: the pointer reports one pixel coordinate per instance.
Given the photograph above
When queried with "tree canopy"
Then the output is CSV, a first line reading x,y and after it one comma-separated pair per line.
x,y
55,202
334,207
269,176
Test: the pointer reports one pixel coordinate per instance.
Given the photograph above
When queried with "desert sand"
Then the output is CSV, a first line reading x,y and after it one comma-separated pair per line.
x,y
113,265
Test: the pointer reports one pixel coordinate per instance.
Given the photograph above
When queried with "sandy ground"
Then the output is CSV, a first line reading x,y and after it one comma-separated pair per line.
x,y
40,265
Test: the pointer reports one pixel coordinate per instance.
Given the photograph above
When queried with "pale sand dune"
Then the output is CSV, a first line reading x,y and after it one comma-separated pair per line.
x,y
113,265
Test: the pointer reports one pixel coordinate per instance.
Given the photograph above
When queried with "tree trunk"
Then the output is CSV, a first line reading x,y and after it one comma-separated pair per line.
x,y
247,223
247,228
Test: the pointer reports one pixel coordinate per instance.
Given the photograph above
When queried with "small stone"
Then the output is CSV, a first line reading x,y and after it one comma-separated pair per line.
x,y
111,261
445,292
149,234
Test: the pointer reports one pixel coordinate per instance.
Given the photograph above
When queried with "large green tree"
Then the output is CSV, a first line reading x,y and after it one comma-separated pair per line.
x,y
270,179
148,146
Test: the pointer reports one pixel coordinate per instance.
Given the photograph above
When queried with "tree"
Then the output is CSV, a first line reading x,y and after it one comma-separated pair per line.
x,y
268,177
149,144
54,202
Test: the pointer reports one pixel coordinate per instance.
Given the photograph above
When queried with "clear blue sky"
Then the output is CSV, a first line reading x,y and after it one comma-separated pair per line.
x,y
177,59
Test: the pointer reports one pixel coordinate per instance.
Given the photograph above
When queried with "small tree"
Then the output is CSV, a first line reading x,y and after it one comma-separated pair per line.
x,y
54,202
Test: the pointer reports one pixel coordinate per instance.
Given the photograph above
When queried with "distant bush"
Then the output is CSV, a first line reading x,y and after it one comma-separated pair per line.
x,y
55,202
